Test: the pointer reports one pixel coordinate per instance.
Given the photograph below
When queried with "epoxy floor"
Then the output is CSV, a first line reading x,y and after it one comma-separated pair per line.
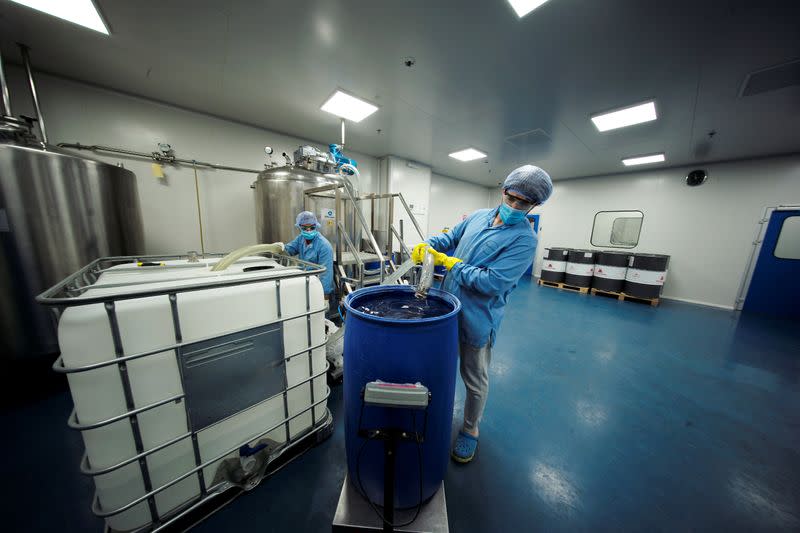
x,y
603,415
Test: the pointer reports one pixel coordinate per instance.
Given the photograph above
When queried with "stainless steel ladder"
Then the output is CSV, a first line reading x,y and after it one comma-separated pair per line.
x,y
350,259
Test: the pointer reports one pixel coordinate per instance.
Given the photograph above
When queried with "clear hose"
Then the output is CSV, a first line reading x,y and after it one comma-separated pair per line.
x,y
426,277
253,249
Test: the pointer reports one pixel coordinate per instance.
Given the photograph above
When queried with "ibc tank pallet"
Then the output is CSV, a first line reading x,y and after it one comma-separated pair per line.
x,y
196,512
228,483
621,296
557,285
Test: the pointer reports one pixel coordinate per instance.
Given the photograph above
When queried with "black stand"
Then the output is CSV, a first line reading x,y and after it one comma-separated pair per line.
x,y
389,451
354,512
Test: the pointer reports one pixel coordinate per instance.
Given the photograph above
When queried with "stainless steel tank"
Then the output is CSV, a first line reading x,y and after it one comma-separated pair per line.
x,y
58,212
280,196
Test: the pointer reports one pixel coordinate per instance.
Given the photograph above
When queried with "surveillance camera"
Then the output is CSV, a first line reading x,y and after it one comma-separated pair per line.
x,y
696,177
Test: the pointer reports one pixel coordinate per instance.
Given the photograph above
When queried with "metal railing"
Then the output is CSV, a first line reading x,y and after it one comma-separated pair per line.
x,y
344,242
74,291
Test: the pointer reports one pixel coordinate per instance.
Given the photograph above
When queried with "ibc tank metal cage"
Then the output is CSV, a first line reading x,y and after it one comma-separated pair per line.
x,y
68,293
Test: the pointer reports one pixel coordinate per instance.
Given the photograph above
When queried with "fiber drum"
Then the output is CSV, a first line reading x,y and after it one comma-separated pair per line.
x,y
580,268
646,275
554,264
610,270
393,338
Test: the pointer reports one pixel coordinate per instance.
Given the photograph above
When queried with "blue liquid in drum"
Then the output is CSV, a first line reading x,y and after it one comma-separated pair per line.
x,y
400,350
403,306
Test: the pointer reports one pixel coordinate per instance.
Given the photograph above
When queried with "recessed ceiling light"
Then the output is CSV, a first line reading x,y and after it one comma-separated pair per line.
x,y
347,106
523,7
643,160
468,154
81,12
627,116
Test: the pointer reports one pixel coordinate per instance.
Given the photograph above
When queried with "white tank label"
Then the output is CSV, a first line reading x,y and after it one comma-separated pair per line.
x,y
4,221
609,272
646,277
580,269
554,266
587,254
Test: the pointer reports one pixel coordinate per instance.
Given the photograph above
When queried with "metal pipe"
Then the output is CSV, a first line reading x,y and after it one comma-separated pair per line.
x,y
364,226
5,110
199,211
26,60
411,215
173,160
389,222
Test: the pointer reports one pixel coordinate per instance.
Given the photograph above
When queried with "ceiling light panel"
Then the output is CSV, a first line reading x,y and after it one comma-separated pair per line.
x,y
348,106
643,160
81,12
627,116
468,154
523,7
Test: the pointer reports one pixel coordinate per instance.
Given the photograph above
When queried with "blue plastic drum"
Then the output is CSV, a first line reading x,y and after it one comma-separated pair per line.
x,y
393,337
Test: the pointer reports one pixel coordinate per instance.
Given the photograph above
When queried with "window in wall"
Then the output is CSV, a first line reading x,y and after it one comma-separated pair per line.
x,y
788,245
617,229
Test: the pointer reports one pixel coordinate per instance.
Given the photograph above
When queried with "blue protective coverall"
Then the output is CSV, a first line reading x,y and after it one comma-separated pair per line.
x,y
318,251
494,258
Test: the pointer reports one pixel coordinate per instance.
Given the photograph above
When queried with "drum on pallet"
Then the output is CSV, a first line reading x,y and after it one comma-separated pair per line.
x,y
580,268
554,264
609,271
646,275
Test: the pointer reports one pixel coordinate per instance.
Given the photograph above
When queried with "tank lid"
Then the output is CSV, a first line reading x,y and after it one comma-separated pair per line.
x,y
298,174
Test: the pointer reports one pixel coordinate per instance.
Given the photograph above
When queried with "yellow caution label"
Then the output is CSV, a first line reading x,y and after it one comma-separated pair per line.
x,y
158,171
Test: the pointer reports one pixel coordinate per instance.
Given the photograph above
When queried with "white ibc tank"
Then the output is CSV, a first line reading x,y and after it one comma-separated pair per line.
x,y
246,358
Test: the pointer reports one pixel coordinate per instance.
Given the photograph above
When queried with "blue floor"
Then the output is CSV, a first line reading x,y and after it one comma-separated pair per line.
x,y
603,415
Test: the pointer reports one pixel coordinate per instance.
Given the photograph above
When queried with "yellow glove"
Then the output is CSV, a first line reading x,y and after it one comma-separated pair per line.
x,y
418,254
444,260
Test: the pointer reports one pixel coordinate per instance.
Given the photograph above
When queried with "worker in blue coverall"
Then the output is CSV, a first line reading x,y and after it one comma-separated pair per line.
x,y
313,247
485,256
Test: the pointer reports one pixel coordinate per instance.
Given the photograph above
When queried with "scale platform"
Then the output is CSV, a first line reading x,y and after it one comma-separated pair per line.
x,y
354,514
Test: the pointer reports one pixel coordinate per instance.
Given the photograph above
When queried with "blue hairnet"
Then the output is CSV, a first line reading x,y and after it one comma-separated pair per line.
x,y
306,218
531,183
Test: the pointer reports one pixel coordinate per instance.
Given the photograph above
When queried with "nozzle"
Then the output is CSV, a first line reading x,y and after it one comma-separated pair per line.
x,y
426,276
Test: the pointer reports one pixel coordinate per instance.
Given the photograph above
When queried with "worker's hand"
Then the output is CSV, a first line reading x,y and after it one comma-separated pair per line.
x,y
278,247
443,259
419,252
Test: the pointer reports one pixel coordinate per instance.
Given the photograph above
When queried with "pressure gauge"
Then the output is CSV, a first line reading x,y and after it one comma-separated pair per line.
x,y
268,150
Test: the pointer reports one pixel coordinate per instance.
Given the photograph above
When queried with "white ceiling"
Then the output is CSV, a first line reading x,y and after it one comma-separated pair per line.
x,y
481,74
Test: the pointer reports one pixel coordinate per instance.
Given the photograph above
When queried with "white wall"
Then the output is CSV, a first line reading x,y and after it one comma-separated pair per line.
x,y
437,201
452,200
413,181
77,112
708,230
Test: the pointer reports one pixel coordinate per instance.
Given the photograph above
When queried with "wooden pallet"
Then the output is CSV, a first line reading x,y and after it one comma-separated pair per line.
x,y
621,296
555,285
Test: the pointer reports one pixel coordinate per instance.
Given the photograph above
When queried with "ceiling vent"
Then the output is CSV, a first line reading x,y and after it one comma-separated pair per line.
x,y
771,79
529,140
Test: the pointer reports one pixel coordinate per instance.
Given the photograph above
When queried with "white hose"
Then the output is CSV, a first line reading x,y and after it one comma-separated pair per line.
x,y
231,258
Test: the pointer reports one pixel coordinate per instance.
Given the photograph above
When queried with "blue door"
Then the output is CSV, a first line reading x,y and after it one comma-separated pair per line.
x,y
775,285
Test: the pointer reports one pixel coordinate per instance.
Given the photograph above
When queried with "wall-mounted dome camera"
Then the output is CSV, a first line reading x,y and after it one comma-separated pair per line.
x,y
696,177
